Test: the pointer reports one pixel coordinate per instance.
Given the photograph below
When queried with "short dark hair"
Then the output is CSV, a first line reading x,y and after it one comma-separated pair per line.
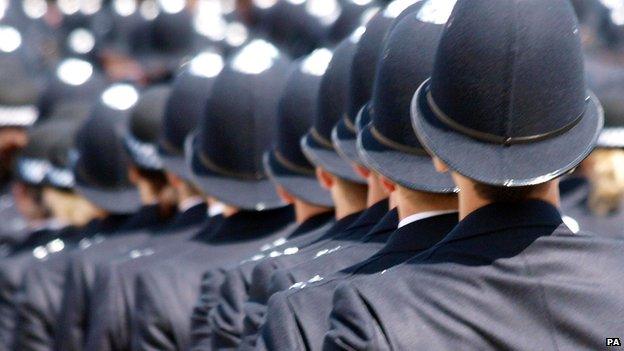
x,y
506,194
156,177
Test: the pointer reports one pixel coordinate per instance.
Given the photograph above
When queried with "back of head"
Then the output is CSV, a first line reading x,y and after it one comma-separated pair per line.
x,y
239,125
286,163
242,106
185,106
362,75
331,106
144,128
100,163
388,144
368,54
530,118
298,105
58,194
141,143
32,162
60,174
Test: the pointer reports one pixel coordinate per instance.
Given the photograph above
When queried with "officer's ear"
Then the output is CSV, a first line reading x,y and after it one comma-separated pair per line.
x,y
286,197
388,185
133,175
326,179
361,171
174,180
440,166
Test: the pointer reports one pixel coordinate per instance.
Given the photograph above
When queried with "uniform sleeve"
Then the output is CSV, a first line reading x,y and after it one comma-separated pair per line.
x,y
72,323
352,324
35,314
281,330
149,331
226,319
201,330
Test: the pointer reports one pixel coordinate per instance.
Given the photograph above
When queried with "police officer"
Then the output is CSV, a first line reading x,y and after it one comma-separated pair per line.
x,y
110,327
426,202
295,182
42,283
103,173
188,97
226,161
19,91
591,197
31,166
505,143
355,215
360,72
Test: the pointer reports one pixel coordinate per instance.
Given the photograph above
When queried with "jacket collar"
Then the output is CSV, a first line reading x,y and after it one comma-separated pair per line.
x,y
387,224
340,226
311,224
208,227
371,215
246,225
146,216
420,235
108,224
501,216
192,216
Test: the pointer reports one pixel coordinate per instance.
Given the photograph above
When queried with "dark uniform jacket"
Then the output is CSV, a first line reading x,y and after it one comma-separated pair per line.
x,y
297,319
508,277
113,297
36,246
228,316
575,205
41,292
80,276
166,293
307,233
14,228
341,234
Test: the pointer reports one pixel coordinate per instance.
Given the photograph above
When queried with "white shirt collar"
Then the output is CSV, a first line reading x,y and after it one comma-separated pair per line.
x,y
422,215
189,203
215,209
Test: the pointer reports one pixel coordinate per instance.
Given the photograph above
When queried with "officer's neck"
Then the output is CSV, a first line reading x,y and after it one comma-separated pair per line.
x,y
229,211
347,202
410,202
470,200
376,190
305,210
223,209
